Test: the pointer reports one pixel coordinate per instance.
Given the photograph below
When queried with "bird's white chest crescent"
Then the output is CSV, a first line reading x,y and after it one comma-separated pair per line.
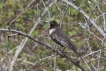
x,y
51,30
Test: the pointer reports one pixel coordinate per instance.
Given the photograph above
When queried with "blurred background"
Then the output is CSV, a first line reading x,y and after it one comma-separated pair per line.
x,y
83,20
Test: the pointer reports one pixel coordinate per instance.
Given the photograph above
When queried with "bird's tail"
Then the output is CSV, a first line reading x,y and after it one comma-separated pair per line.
x,y
78,55
80,58
72,47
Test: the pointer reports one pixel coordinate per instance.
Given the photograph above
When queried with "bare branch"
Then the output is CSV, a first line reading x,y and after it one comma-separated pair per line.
x,y
45,44
85,15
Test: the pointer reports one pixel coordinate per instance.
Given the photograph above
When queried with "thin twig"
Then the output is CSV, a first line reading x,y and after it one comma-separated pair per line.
x,y
85,15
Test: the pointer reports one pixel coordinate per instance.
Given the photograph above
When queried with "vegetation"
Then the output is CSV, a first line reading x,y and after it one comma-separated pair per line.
x,y
83,20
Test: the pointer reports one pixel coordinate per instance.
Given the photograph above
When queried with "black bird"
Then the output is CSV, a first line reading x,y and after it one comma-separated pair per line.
x,y
62,39
59,36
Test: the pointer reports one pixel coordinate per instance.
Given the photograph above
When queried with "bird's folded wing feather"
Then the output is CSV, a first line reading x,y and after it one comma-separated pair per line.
x,y
61,38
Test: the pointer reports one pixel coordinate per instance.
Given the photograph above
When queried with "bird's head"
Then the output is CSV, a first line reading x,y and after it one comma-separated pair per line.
x,y
53,23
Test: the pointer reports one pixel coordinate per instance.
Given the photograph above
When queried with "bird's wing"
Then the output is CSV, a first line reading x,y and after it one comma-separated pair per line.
x,y
62,39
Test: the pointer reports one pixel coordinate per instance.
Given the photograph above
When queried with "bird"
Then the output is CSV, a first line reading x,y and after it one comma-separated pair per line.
x,y
60,37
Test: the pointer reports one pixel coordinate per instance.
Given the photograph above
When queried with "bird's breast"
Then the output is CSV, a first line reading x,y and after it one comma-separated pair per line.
x,y
51,31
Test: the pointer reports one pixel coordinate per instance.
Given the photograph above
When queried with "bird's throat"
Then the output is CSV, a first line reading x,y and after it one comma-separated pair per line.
x,y
51,31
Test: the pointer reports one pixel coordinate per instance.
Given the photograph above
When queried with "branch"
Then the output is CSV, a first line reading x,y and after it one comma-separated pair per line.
x,y
22,44
45,44
85,15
